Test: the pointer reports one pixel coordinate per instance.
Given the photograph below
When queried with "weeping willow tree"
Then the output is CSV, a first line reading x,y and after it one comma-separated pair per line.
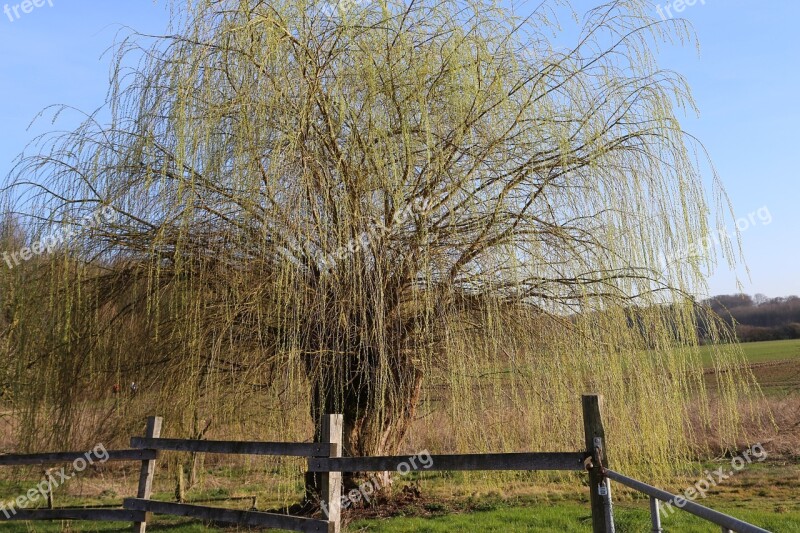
x,y
411,213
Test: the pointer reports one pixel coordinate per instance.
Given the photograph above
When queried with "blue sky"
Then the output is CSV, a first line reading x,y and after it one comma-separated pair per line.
x,y
746,81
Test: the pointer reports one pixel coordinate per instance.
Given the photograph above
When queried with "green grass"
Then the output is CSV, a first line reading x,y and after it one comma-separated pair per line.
x,y
565,517
761,352
571,518
160,524
764,494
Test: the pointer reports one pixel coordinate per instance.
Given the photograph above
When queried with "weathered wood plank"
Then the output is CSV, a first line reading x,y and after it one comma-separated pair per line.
x,y
148,471
480,461
595,438
294,449
94,515
231,516
68,457
332,427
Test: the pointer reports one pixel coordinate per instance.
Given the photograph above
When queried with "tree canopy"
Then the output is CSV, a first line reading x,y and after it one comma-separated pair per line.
x,y
412,213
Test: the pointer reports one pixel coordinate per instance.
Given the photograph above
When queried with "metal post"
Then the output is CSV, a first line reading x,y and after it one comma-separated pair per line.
x,y
655,515
727,523
608,507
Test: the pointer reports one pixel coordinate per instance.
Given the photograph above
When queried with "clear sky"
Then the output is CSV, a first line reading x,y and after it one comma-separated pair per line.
x,y
746,81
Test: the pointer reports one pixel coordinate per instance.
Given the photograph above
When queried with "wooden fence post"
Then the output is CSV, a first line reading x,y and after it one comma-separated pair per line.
x,y
48,494
148,470
331,489
180,483
600,492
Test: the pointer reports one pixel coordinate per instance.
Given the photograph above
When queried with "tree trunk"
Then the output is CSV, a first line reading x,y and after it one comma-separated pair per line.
x,y
375,421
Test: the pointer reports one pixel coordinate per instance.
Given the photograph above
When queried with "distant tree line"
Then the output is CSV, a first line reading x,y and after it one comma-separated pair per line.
x,y
759,318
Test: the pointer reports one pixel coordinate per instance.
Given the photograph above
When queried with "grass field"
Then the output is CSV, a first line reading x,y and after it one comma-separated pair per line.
x,y
565,517
762,352
755,495
776,366
765,494
571,518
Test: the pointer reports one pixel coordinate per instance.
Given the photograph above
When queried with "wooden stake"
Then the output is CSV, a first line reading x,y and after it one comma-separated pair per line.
x,y
600,496
148,470
331,489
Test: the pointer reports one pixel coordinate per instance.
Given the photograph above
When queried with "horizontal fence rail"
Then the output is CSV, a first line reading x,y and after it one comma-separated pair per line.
x,y
74,513
289,449
479,461
101,515
68,457
231,516
720,519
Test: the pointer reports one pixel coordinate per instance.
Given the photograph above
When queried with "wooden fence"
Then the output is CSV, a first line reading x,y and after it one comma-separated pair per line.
x,y
139,518
325,458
